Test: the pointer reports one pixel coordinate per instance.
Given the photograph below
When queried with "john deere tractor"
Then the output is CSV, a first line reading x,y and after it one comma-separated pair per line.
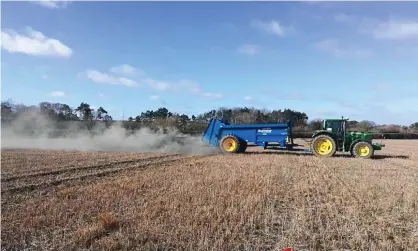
x,y
333,137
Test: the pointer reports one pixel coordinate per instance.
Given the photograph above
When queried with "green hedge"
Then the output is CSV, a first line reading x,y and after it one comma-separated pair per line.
x,y
395,136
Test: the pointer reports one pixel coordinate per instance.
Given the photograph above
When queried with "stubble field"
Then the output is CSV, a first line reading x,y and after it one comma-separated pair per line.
x,y
68,200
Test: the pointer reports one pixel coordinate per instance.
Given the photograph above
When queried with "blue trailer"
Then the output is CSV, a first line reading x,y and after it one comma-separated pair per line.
x,y
234,138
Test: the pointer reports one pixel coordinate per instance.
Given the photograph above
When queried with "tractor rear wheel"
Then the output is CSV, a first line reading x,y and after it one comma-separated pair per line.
x,y
230,144
323,146
363,150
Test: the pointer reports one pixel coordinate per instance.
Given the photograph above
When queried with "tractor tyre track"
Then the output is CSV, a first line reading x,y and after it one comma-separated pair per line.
x,y
59,170
46,180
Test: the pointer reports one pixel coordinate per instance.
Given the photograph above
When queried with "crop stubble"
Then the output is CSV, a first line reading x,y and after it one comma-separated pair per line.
x,y
28,161
59,175
240,202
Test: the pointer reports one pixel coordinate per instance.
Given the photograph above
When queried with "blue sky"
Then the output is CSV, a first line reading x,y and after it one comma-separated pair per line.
x,y
352,59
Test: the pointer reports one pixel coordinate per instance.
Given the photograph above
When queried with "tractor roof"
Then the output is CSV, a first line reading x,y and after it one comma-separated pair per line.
x,y
335,119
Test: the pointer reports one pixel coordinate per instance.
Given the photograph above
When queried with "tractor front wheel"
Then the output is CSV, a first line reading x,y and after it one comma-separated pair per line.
x,y
363,150
230,144
323,146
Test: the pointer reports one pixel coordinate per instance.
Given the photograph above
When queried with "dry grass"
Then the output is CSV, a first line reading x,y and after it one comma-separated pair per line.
x,y
254,201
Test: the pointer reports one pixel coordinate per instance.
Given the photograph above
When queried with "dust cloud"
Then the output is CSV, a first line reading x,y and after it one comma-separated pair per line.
x,y
34,131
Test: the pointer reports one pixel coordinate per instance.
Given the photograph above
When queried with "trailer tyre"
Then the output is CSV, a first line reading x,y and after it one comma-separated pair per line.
x,y
363,150
243,146
323,146
230,144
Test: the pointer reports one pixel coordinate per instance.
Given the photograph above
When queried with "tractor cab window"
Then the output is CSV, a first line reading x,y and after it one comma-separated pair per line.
x,y
334,125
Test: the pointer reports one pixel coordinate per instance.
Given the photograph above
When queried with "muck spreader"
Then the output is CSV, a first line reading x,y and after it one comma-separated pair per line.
x,y
331,138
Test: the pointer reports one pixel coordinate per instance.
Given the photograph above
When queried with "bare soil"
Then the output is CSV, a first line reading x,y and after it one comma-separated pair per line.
x,y
260,200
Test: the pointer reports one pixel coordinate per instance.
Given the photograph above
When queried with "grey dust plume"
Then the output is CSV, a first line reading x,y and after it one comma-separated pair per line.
x,y
32,130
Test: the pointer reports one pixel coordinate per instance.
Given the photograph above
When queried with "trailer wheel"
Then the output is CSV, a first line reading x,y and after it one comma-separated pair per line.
x,y
323,146
230,144
243,146
363,150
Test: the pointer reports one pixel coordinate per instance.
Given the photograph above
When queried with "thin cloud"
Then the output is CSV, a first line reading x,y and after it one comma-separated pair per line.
x,y
335,47
248,49
104,78
124,69
344,18
158,98
154,97
52,4
392,29
380,87
155,84
379,29
272,27
248,99
57,94
33,43
189,85
182,85
213,95
158,85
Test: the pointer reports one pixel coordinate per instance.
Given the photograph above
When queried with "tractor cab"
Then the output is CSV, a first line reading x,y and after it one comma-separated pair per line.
x,y
336,126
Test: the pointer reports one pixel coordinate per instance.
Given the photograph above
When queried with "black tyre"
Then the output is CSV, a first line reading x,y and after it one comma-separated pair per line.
x,y
323,146
363,150
243,146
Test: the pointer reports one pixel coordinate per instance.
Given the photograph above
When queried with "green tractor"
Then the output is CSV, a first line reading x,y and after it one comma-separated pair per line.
x,y
333,137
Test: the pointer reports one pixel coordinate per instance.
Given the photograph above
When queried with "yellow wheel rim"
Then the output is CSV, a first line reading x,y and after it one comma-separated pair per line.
x,y
229,145
363,151
323,146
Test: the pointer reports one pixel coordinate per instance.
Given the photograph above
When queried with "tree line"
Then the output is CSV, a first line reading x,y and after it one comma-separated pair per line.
x,y
87,116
